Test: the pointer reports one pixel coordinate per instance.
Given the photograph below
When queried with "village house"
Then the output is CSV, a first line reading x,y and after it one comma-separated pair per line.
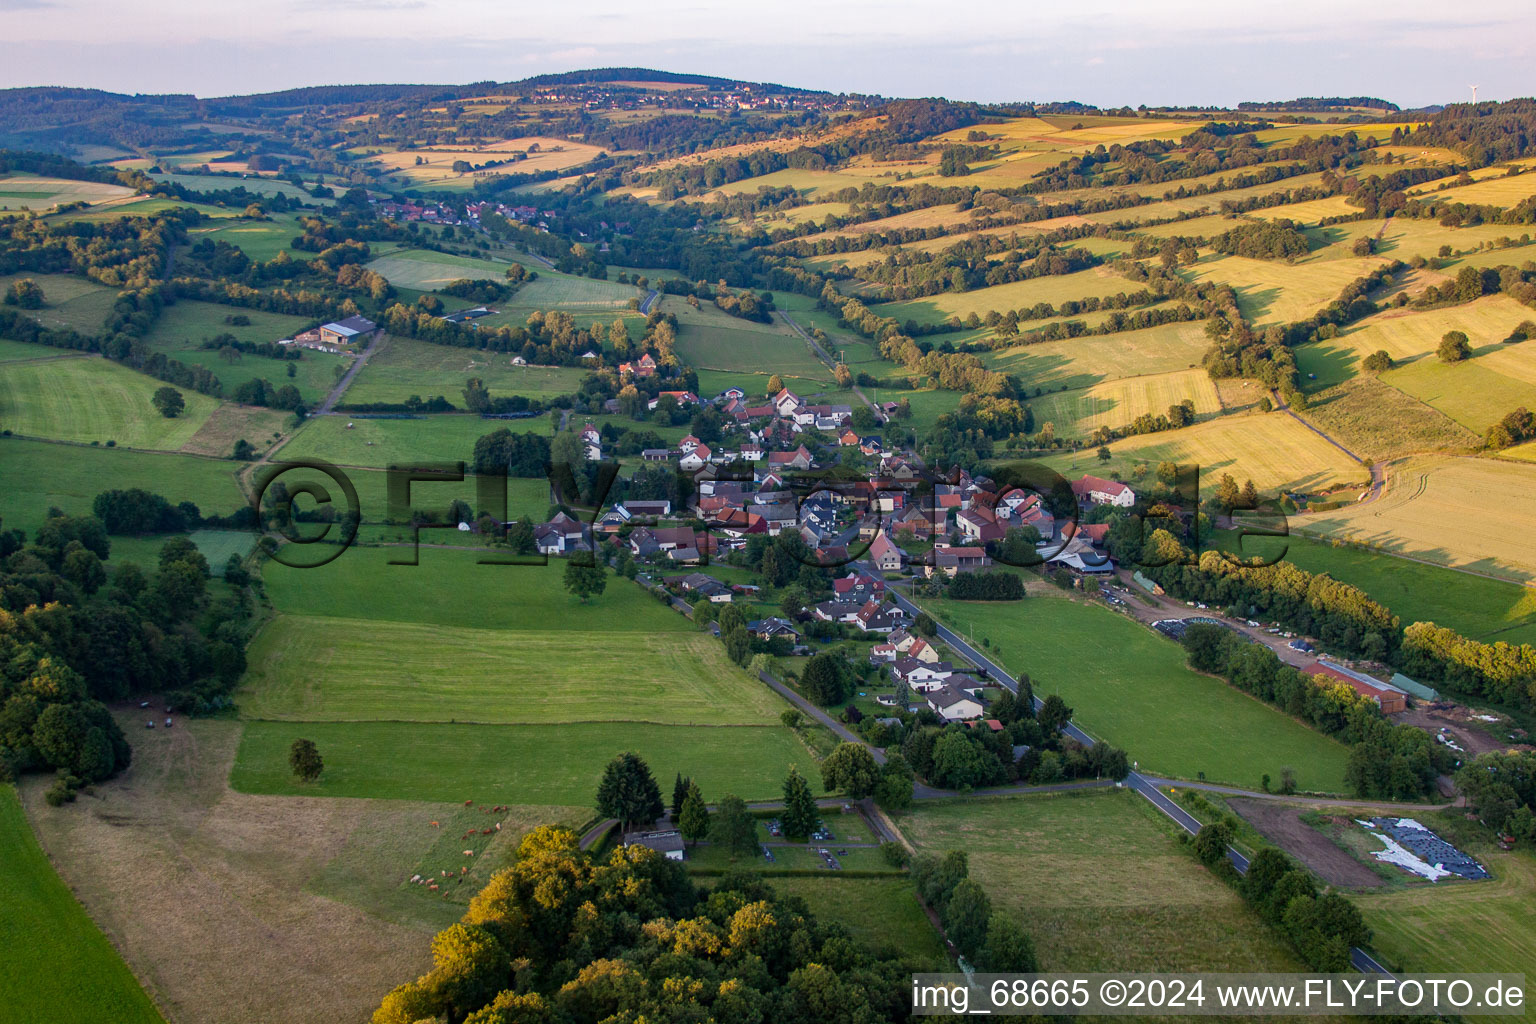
x,y
921,676
884,555
954,704
669,843
769,628
1103,492
951,560
859,584
837,611
562,535
874,617
799,459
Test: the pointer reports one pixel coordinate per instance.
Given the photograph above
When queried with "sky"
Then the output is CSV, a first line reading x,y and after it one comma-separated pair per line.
x,y
1104,52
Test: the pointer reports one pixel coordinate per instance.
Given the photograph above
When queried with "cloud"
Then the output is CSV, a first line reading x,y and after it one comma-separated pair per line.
x,y
26,5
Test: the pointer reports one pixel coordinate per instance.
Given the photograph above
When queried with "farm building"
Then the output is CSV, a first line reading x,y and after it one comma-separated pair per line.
x,y
884,554
1390,699
345,332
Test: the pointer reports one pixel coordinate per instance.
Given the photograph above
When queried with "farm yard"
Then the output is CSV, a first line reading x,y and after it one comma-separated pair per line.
x,y
1131,688
1080,898
1492,505
185,325
1272,449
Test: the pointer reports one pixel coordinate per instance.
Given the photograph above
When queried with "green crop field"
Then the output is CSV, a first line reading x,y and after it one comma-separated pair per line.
x,y
1130,686
1410,335
1100,884
25,351
68,301
1083,362
1472,514
1055,289
355,441
1273,291
427,270
1480,608
1272,449
746,349
261,240
343,669
1476,392
402,367
21,191
40,475
43,931
448,588
554,290
94,400
554,764
1459,926
1115,404
184,326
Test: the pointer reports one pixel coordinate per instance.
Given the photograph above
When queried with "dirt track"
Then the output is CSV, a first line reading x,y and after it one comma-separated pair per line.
x,y
1280,823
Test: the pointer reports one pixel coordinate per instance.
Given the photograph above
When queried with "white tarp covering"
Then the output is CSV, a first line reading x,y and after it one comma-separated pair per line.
x,y
1396,853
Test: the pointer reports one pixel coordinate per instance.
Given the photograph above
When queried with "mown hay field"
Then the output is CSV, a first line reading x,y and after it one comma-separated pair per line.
x,y
74,302
1083,362
1473,514
1273,291
1272,449
401,367
1117,403
1096,282
344,669
22,191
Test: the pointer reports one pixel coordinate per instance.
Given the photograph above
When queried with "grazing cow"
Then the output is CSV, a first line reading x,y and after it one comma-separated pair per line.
x,y
485,831
469,803
435,824
498,826
469,853
433,887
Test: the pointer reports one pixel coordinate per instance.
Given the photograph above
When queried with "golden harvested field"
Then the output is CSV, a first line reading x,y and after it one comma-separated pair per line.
x,y
1212,201
1272,449
437,172
1476,514
1309,212
1501,189
1055,289
1083,362
21,191
1406,237
234,907
1116,403
1412,335
1273,291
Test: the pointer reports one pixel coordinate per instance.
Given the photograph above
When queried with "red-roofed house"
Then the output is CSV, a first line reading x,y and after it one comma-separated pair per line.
x,y
1103,492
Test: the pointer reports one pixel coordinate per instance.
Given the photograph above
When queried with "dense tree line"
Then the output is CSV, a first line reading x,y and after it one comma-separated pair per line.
x,y
986,586
1265,240
1386,761
1501,788
563,936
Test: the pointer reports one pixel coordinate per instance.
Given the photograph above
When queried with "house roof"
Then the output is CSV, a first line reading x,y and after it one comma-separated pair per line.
x,y
350,326
1097,484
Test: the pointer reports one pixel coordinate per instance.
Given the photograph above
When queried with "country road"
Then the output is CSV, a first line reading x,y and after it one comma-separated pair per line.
x,y
824,356
1378,470
329,405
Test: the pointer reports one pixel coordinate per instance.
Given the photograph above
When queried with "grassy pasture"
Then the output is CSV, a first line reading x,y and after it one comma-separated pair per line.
x,y
882,913
556,764
1104,887
401,367
444,590
1117,403
43,928
1477,392
1273,291
22,191
134,206
1055,289
1084,362
750,351
94,400
250,182
1480,608
1130,686
341,669
26,352
1473,514
261,240
1461,926
184,326
1406,237
230,423
39,475
427,270
554,290
1377,421
1272,449
1408,335
382,442
68,301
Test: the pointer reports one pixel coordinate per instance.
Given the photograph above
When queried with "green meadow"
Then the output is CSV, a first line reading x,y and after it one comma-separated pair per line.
x,y
56,967
1131,687
93,399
